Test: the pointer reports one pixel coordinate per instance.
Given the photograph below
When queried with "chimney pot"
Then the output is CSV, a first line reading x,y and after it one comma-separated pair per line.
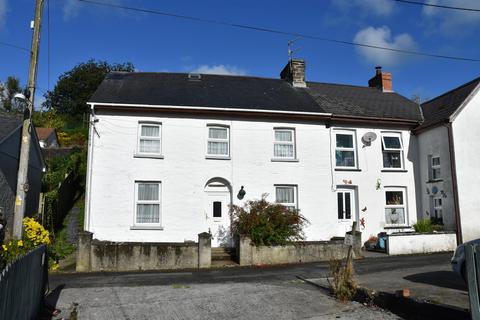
x,y
294,72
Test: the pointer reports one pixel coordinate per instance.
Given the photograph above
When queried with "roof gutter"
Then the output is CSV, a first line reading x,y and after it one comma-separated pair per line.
x,y
318,115
453,166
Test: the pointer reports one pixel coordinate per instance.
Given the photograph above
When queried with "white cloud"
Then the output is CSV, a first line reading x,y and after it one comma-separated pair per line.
x,y
72,8
3,13
377,7
219,69
452,21
37,104
382,37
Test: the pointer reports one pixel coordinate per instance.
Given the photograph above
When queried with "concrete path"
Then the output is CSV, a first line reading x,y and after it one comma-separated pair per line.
x,y
277,300
247,293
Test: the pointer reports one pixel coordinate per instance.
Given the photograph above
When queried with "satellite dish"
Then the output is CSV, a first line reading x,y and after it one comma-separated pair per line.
x,y
368,138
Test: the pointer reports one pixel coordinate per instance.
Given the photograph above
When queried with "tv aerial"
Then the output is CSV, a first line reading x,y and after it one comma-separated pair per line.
x,y
290,47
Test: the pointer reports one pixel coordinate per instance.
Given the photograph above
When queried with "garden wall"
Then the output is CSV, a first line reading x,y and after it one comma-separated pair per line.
x,y
308,251
94,255
412,243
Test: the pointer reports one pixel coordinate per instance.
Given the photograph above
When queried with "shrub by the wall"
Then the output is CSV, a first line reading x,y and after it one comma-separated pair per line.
x,y
268,223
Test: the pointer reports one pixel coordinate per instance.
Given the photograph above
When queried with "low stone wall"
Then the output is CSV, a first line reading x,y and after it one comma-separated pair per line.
x,y
412,243
308,251
94,255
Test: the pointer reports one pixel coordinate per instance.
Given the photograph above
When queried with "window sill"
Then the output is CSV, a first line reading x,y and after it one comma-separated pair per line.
x,y
348,169
148,156
146,228
283,160
394,170
217,158
436,180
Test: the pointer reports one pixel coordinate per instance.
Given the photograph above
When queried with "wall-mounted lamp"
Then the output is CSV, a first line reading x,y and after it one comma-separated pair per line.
x,y
241,193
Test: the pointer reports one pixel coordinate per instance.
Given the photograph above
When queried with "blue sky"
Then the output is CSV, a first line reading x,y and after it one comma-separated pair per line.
x,y
79,32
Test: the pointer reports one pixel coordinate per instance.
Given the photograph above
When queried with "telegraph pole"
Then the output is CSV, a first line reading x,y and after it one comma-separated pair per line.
x,y
22,178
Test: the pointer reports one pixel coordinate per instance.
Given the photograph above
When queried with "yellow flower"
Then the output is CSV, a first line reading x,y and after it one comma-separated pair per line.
x,y
20,243
4,247
54,266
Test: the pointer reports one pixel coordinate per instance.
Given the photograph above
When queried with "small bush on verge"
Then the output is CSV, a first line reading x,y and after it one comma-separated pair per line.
x,y
342,283
268,223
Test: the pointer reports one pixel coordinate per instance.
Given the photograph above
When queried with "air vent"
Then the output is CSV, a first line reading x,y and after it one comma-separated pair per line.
x,y
194,77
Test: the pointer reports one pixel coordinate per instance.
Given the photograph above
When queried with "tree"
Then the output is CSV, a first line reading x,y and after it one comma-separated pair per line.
x,y
75,87
7,91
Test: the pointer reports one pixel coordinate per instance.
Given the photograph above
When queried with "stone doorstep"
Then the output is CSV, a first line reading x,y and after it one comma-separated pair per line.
x,y
404,306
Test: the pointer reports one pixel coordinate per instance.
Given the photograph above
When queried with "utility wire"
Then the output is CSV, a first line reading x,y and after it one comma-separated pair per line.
x,y
48,44
13,46
426,4
280,32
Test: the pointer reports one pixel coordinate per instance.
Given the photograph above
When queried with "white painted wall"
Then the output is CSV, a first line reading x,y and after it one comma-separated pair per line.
x,y
184,172
416,243
466,134
434,142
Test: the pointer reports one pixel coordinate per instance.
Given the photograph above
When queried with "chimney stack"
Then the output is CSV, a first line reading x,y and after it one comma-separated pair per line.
x,y
381,80
294,72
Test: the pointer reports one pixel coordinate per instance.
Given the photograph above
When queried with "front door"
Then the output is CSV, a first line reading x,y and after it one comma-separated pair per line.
x,y
346,210
218,218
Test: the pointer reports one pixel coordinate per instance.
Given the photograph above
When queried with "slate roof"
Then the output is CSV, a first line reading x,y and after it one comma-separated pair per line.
x,y
8,123
442,107
252,93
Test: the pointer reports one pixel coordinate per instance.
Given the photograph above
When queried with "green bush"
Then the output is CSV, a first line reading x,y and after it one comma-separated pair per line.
x,y
423,225
268,223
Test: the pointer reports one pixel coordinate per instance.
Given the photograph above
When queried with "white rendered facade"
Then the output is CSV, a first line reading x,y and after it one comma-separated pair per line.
x,y
292,160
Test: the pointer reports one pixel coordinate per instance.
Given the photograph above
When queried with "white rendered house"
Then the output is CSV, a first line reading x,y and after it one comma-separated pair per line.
x,y
448,149
169,153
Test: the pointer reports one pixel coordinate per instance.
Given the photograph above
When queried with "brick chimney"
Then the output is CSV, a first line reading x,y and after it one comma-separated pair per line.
x,y
294,72
381,80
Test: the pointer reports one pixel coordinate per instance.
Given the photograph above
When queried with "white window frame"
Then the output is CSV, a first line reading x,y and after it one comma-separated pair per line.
x,y
292,143
293,204
403,206
385,149
140,137
437,207
352,133
351,192
227,140
434,167
159,202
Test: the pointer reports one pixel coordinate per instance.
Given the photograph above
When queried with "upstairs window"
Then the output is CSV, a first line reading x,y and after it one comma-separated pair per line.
x,y
345,149
147,203
395,206
287,196
435,170
149,138
218,144
284,144
392,149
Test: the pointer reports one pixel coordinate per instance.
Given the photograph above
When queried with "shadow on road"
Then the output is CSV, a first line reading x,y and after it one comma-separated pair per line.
x,y
444,279
49,308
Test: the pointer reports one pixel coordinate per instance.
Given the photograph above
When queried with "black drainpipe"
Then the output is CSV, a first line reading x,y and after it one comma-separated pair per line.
x,y
453,166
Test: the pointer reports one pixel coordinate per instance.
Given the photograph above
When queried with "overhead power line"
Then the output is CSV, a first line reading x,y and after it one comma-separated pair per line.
x,y
14,46
426,4
274,31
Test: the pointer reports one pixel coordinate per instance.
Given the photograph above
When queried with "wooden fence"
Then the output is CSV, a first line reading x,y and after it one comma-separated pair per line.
x,y
22,285
472,261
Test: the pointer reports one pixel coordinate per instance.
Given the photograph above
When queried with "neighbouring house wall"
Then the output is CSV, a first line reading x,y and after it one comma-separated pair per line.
x,y
434,142
415,243
249,254
184,172
9,157
466,135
